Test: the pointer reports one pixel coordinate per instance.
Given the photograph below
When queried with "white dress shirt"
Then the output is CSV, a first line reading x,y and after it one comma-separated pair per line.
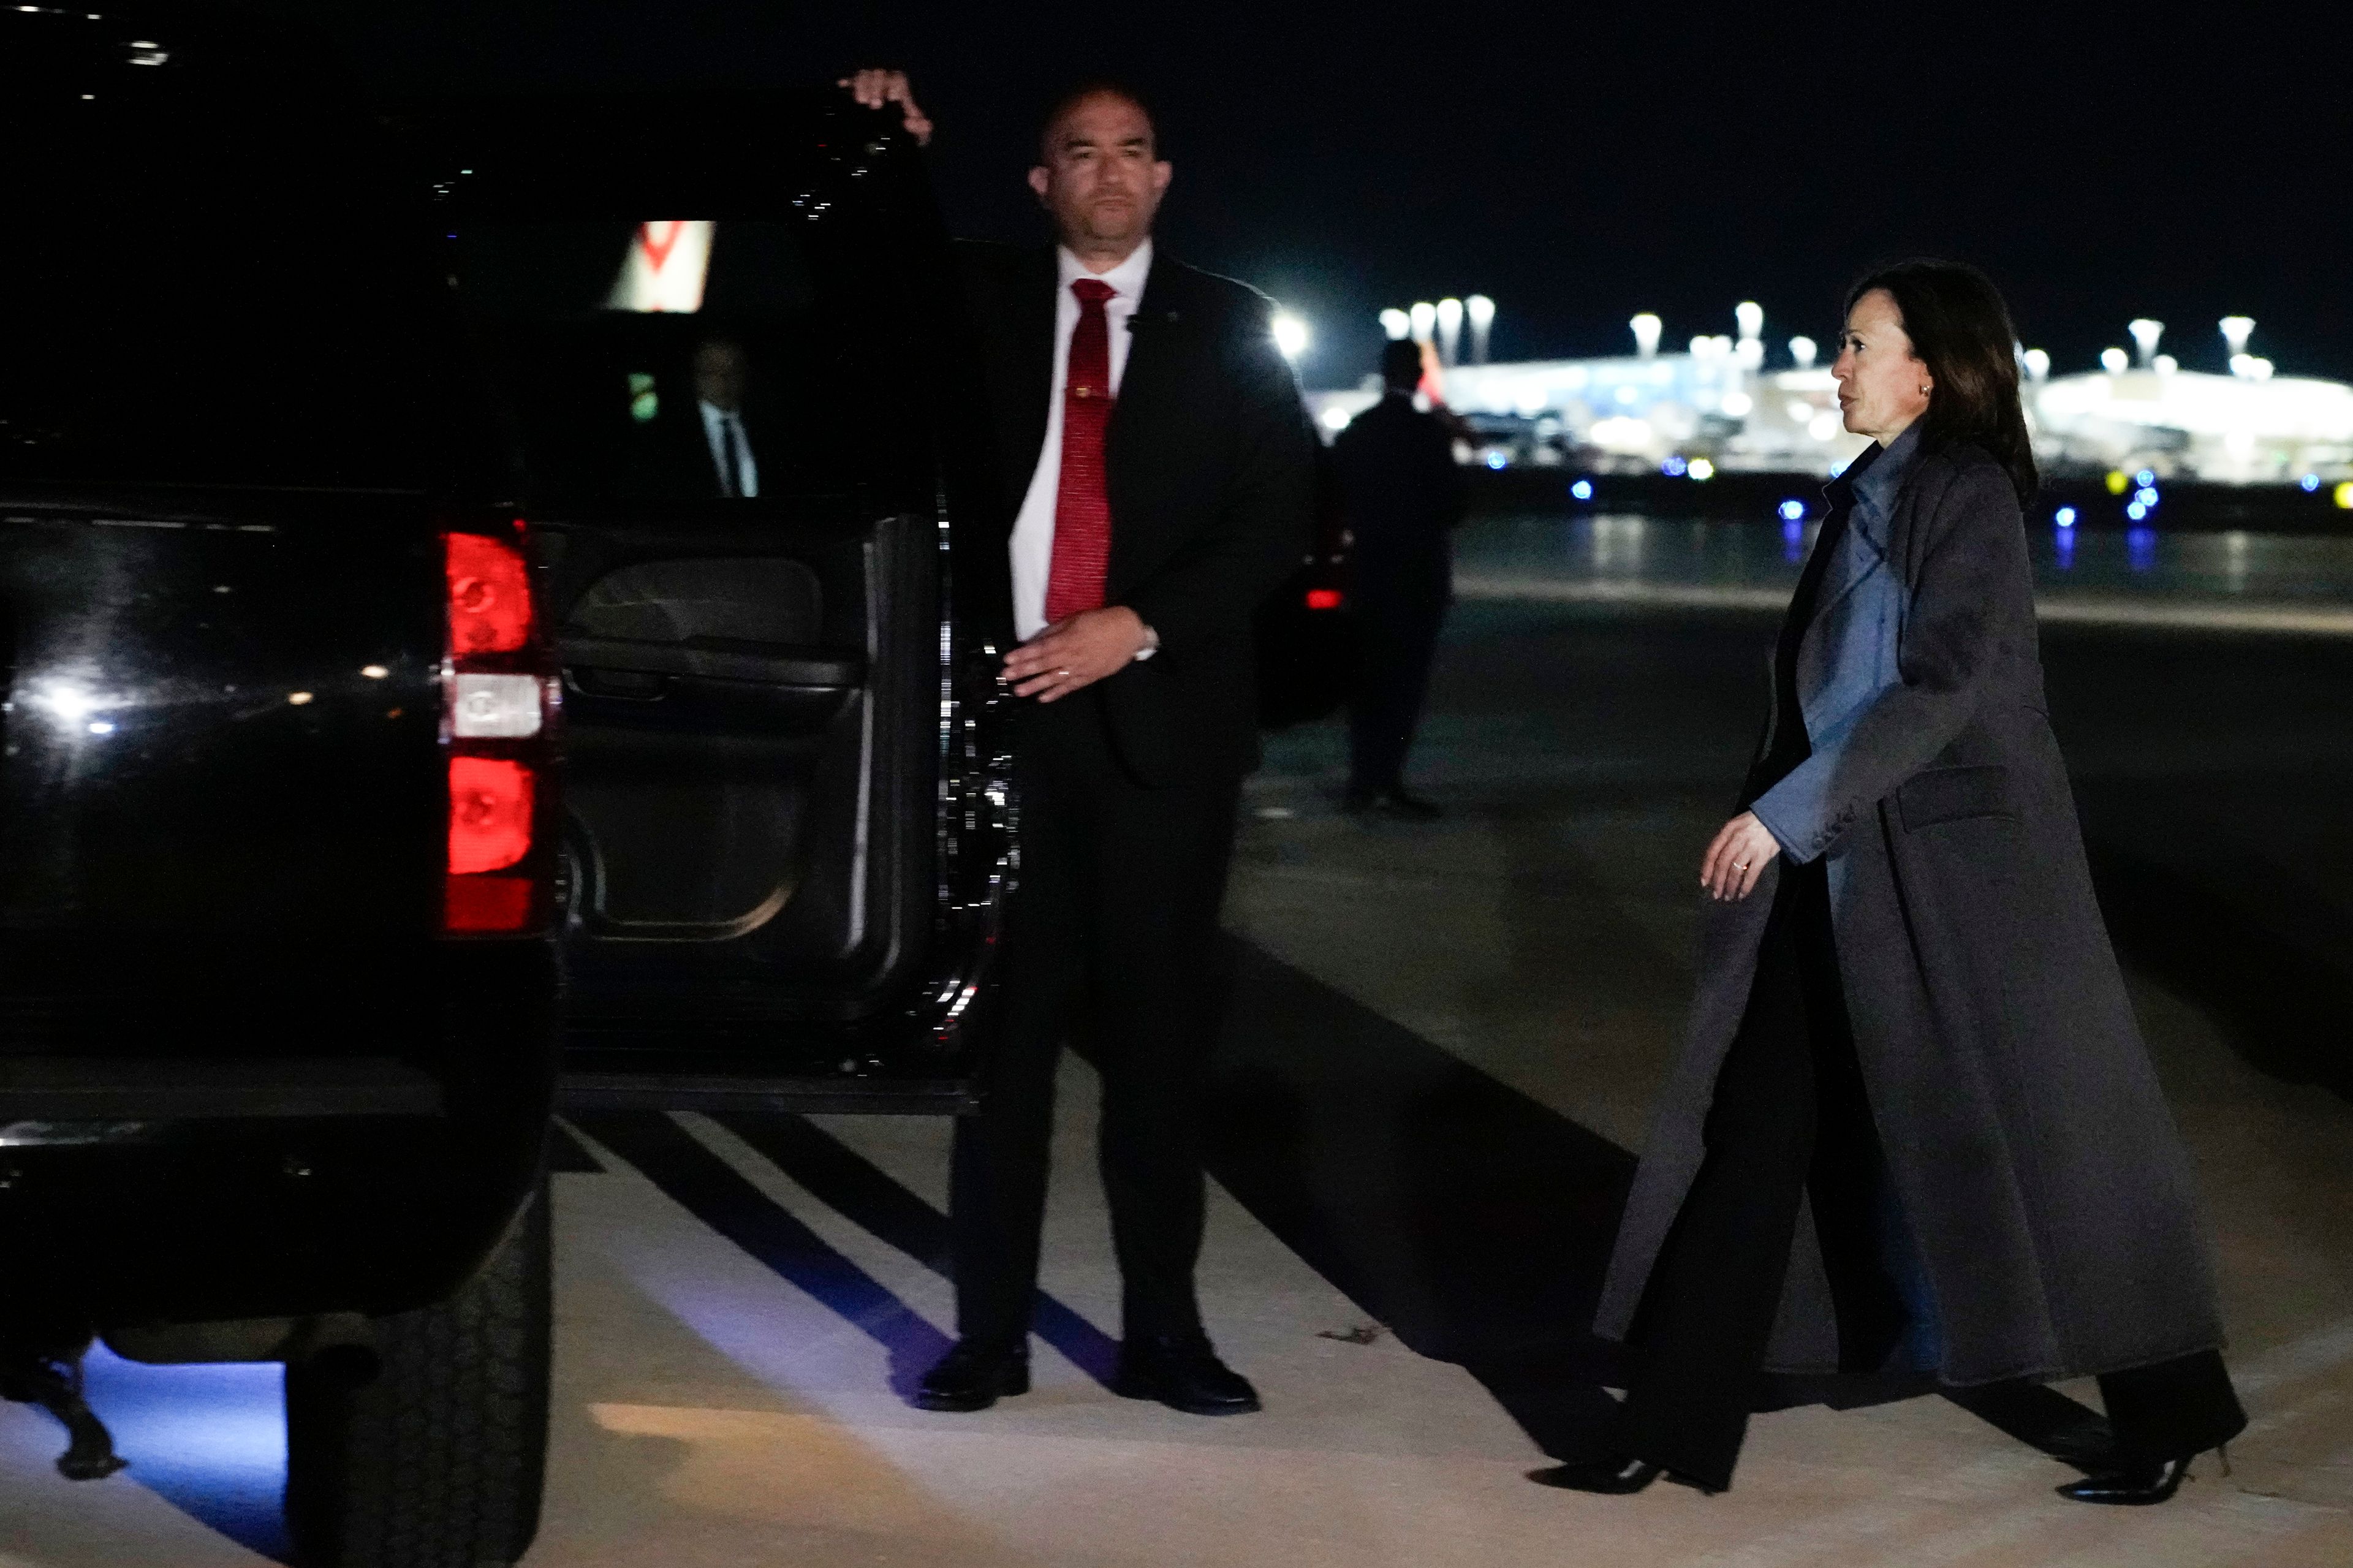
x,y
1033,529
716,423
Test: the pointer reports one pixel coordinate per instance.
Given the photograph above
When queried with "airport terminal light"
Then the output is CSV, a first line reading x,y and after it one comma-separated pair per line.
x,y
1749,316
1802,351
2165,365
2236,330
2145,333
1482,311
1290,335
2038,364
1423,317
1449,328
2115,361
1646,334
1396,324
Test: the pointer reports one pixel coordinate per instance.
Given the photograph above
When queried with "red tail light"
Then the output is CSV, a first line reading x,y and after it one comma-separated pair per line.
x,y
1323,598
498,713
489,595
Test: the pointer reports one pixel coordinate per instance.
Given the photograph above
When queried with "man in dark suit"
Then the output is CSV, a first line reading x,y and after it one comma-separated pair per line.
x,y
1401,493
1155,469
716,447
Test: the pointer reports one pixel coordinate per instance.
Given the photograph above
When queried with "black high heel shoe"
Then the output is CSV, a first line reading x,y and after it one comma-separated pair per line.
x,y
2131,1486
1612,1477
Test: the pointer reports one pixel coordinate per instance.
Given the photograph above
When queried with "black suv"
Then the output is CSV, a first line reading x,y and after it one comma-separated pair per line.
x,y
383,660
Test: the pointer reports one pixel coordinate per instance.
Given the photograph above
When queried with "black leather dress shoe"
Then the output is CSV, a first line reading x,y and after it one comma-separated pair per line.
x,y
2136,1486
973,1377
1184,1374
1612,1477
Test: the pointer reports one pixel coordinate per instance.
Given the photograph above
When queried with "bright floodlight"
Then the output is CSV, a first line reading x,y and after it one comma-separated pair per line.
x,y
1423,317
2115,360
1750,353
1646,334
2145,333
1801,353
1396,324
2258,368
1449,328
1290,335
2236,330
1482,310
1749,316
2165,365
2037,363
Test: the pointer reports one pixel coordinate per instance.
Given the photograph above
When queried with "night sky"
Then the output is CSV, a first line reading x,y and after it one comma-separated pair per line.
x,y
1581,163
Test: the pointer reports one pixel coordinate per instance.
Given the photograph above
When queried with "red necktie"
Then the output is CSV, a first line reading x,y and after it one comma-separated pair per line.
x,y
1074,582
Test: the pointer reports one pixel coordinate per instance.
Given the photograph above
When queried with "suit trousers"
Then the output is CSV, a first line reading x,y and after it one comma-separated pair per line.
x,y
1111,944
1397,639
1790,1118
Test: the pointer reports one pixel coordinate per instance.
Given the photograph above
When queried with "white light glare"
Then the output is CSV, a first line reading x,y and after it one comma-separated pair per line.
x,y
1396,324
1749,316
1423,318
2145,333
1449,315
2115,360
1646,334
1335,418
1290,335
2236,330
1802,351
1736,405
495,706
1482,310
2038,364
2165,365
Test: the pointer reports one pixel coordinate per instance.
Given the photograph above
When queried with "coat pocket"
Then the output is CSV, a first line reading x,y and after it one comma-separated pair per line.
x,y
1951,795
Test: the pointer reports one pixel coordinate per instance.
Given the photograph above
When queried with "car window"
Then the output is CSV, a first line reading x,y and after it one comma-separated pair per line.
x,y
667,359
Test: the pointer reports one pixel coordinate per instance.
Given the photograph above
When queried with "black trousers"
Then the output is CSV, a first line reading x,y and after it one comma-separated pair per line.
x,y
1111,939
1397,640
1791,1117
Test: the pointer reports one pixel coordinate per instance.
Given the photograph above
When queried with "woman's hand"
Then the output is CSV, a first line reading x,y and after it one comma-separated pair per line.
x,y
1737,857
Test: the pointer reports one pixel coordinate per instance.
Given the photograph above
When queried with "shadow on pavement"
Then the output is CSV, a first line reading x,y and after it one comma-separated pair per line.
x,y
1470,1220
720,1196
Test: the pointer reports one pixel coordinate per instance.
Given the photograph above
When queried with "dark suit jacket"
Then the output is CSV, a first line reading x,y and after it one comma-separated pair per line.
x,y
1211,469
670,459
1401,493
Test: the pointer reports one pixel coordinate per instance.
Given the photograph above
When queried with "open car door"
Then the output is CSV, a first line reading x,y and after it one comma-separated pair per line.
x,y
784,844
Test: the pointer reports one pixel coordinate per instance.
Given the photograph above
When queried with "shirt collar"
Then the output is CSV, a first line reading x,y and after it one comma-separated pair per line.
x,y
1876,485
1126,280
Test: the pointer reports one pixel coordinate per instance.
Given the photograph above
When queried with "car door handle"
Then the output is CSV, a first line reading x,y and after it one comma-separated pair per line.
x,y
713,659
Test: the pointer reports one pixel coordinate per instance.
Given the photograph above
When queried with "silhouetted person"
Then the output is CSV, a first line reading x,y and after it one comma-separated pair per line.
x,y
1401,493
1156,469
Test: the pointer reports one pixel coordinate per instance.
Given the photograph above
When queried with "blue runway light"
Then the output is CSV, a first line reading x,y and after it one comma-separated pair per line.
x,y
2137,512
1793,541
2066,517
2145,495
2310,482
1674,468
2145,478
1582,489
1793,510
1496,459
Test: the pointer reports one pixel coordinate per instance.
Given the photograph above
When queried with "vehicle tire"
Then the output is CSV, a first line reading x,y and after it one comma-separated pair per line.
x,y
430,1452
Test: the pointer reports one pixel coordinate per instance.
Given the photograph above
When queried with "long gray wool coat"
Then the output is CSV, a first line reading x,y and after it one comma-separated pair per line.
x,y
2049,1199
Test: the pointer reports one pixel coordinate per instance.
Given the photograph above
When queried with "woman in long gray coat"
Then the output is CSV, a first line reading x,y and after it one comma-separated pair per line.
x,y
1915,1123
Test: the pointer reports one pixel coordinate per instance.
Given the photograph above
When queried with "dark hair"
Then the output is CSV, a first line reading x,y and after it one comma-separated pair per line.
x,y
1095,87
1401,362
1960,329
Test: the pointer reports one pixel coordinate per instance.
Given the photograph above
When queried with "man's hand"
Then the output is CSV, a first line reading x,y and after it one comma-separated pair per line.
x,y
880,88
1071,654
1737,857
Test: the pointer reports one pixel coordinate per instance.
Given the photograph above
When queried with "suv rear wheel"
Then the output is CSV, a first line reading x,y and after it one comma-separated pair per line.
x,y
430,1452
